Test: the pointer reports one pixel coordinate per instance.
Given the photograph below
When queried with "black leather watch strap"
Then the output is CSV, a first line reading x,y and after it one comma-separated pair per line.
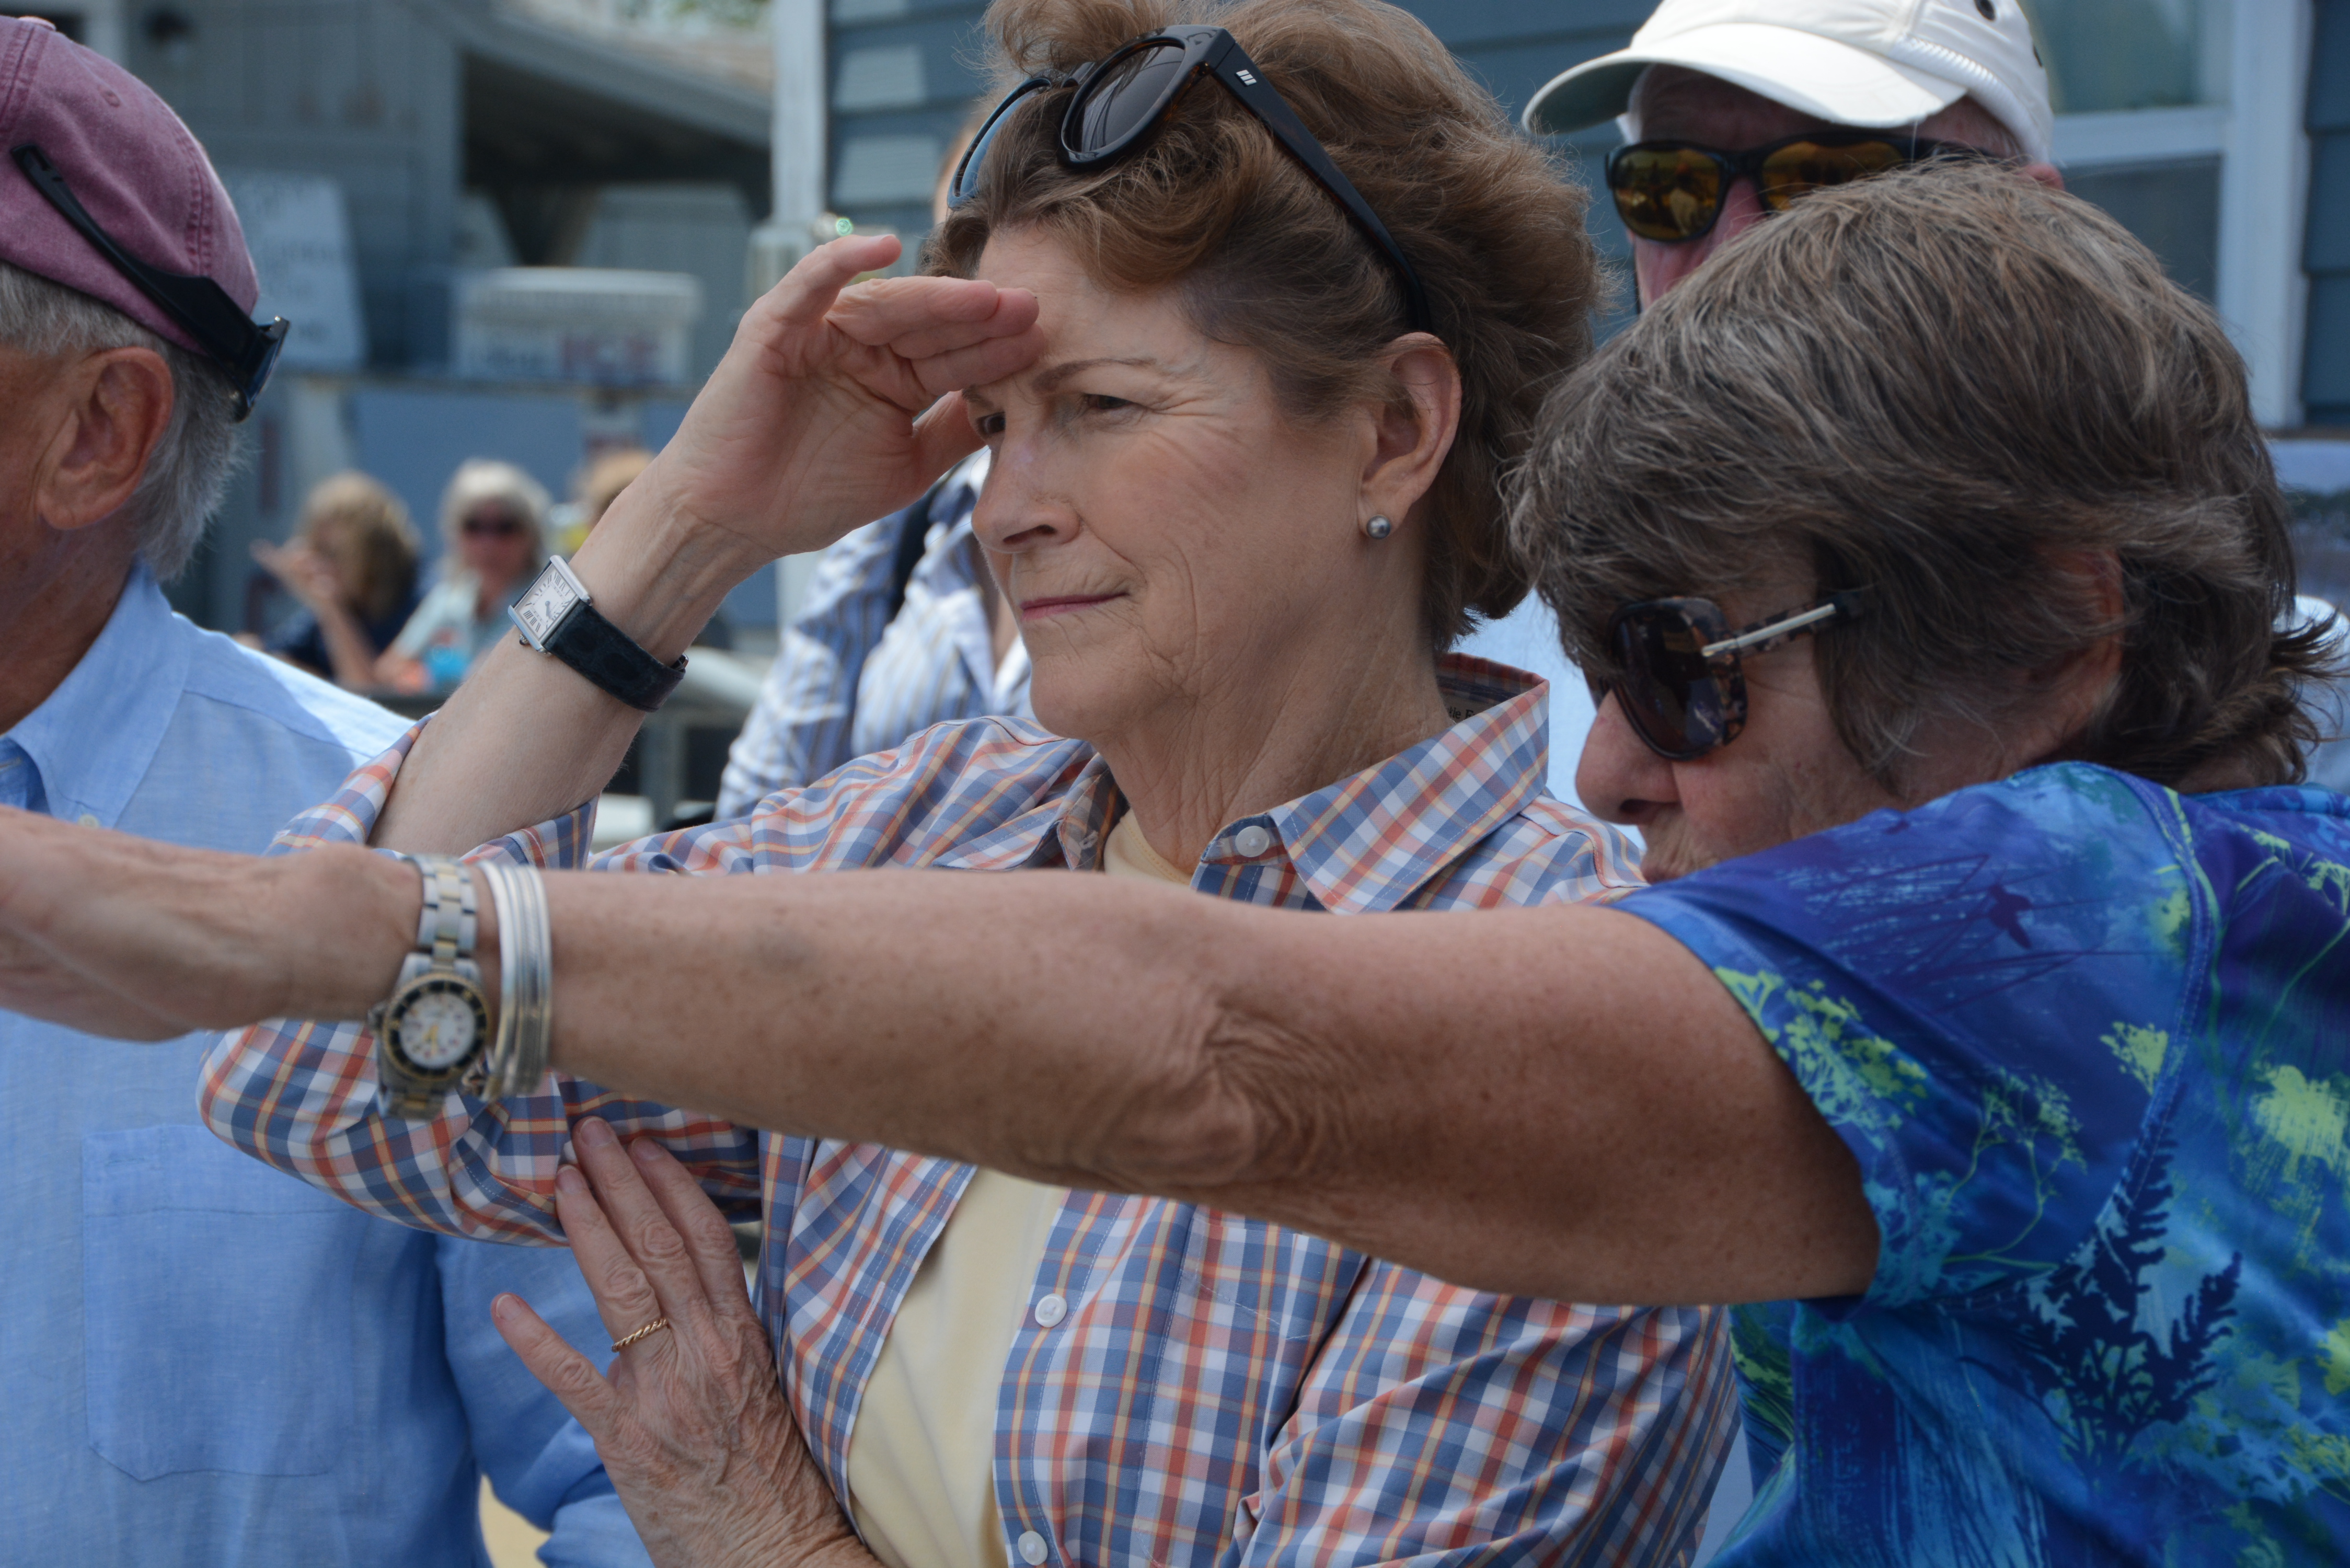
x,y
610,657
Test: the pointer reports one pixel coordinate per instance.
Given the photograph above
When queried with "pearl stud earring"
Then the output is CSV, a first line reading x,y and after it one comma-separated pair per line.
x,y
1377,526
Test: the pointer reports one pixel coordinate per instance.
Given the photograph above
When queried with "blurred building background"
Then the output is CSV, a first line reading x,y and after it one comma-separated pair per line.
x,y
2218,130
390,157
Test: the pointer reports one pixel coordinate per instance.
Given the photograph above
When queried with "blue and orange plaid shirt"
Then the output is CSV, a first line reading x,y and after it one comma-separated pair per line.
x,y
1220,1391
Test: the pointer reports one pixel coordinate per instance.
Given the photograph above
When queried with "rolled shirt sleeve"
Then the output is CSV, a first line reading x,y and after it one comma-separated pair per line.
x,y
302,1094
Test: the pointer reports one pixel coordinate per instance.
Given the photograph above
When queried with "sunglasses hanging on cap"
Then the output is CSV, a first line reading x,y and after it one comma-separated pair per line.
x,y
1679,679
1122,100
243,347
1674,190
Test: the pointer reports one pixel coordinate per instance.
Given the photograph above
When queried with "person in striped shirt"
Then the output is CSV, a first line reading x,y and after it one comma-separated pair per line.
x,y
1247,421
901,628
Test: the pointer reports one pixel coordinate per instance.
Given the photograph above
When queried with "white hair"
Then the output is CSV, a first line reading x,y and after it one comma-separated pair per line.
x,y
481,479
190,467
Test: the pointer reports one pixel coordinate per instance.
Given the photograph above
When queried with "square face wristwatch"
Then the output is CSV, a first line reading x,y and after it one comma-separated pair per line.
x,y
557,617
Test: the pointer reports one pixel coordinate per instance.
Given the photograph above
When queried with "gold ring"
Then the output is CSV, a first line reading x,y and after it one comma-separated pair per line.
x,y
653,1327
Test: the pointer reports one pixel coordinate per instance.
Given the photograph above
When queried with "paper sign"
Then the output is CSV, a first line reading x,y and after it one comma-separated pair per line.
x,y
300,238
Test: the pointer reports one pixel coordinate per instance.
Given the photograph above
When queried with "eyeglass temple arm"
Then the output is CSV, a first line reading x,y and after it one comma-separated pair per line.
x,y
1259,98
1752,638
229,336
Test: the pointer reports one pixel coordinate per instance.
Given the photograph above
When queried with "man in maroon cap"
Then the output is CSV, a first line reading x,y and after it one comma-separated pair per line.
x,y
207,1362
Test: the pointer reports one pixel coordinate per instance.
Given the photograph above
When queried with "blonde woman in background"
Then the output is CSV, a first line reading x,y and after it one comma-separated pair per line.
x,y
351,563
493,527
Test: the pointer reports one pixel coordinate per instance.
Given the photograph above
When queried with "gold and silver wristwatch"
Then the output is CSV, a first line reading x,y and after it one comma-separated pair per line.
x,y
435,1027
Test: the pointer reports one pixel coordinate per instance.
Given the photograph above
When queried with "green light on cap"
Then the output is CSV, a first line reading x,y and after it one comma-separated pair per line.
x,y
843,227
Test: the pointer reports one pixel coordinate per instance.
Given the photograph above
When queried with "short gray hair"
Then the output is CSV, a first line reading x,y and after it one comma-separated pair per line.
x,y
1932,385
190,467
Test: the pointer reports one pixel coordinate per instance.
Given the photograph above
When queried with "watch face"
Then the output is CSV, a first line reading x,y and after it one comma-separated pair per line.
x,y
543,605
437,1022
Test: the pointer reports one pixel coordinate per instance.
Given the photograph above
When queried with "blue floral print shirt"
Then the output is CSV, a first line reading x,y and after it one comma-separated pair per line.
x,y
2089,1041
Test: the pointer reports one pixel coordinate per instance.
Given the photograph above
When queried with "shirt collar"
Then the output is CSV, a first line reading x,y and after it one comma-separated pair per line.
x,y
1372,841
1368,842
95,737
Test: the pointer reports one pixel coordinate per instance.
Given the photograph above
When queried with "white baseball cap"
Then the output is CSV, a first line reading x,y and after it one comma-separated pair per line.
x,y
1876,63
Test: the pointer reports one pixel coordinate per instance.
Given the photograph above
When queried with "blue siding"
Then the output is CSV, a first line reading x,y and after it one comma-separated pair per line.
x,y
881,174
2325,367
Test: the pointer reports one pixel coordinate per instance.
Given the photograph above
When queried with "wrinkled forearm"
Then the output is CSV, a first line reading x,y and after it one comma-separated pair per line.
x,y
126,937
1559,1102
874,1006
1555,1102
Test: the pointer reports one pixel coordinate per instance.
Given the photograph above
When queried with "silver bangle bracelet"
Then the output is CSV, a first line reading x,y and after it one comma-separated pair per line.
x,y
516,1063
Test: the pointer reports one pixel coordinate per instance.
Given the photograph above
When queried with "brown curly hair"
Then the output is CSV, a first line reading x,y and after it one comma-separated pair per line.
x,y
1265,258
1935,386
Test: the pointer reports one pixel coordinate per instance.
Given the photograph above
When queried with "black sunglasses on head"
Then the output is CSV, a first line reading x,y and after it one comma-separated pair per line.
x,y
244,348
1121,100
1678,677
1674,190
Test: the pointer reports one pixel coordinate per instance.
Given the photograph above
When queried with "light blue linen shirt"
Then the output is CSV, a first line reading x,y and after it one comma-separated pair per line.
x,y
209,1362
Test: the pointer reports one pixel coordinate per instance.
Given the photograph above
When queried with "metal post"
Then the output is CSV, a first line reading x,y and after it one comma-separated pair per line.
x,y
660,764
2264,201
798,157
102,29
796,151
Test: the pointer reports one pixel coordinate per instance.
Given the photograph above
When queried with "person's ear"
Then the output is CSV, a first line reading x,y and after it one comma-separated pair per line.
x,y
2048,174
115,405
2067,698
1412,437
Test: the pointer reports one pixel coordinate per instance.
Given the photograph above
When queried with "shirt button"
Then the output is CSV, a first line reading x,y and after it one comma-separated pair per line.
x,y
1252,841
1032,1546
1049,1311
88,820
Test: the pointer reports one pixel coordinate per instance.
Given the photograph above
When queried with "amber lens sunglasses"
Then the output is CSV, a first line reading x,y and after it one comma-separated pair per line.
x,y
1673,191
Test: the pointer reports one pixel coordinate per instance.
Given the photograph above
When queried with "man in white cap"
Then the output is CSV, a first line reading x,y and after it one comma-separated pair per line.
x,y
1732,109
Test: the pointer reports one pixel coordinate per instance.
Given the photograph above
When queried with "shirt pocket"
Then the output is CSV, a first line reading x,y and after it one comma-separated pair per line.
x,y
216,1305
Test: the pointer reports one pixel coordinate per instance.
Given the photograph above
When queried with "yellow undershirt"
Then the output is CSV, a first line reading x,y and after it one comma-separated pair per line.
x,y
922,1457
1126,853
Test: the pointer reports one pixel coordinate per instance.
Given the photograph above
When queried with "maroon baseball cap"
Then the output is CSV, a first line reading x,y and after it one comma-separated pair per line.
x,y
104,190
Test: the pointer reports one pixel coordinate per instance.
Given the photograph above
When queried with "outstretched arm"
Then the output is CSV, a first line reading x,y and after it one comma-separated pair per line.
x,y
1559,1102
